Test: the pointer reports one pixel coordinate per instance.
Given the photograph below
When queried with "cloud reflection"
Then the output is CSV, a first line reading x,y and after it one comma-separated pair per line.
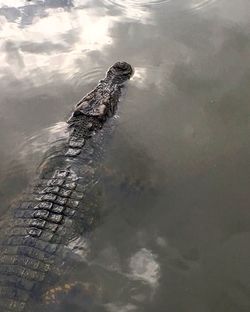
x,y
148,76
194,130
11,3
143,266
43,43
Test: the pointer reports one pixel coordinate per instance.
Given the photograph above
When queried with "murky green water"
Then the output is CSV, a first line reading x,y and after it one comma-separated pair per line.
x,y
176,232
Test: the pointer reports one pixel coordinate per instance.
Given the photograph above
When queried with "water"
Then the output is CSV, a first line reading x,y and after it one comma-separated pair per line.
x,y
176,232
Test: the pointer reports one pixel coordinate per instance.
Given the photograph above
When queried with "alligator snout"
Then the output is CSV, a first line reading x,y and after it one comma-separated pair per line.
x,y
122,70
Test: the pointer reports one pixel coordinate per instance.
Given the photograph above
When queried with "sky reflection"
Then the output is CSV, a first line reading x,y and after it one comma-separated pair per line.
x,y
49,46
183,129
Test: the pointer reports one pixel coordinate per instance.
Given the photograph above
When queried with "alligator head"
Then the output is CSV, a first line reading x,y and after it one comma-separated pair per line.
x,y
102,101
119,72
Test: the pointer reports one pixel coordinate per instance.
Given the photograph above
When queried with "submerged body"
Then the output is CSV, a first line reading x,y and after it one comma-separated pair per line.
x,y
60,203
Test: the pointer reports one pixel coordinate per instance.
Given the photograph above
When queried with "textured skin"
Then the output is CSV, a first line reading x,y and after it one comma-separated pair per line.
x,y
61,202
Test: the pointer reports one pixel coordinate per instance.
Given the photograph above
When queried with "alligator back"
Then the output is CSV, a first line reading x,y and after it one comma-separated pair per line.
x,y
61,201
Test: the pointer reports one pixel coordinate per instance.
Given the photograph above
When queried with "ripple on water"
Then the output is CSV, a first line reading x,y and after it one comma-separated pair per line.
x,y
193,5
21,165
140,3
196,5
81,77
34,147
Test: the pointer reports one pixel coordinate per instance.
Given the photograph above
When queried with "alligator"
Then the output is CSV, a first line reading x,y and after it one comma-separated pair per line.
x,y
60,202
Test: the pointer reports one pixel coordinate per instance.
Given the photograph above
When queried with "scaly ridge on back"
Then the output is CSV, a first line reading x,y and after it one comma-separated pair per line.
x,y
42,221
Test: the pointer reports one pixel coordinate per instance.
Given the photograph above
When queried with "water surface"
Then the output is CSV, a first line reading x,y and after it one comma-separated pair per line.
x,y
176,232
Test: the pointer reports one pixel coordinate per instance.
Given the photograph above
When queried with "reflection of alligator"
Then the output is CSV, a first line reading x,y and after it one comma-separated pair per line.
x,y
60,202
